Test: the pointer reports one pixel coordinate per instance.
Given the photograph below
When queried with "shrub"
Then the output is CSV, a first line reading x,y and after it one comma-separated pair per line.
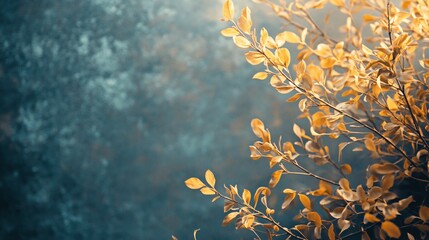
x,y
364,93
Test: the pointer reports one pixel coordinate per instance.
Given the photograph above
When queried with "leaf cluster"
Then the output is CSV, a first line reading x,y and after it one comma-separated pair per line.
x,y
368,93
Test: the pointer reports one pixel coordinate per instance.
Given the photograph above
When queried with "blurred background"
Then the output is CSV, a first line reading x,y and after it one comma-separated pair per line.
x,y
107,106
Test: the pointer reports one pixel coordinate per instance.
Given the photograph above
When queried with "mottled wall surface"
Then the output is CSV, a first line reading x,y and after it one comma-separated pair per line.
x,y
107,106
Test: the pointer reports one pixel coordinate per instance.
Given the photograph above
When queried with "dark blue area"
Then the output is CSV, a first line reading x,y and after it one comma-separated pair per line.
x,y
107,106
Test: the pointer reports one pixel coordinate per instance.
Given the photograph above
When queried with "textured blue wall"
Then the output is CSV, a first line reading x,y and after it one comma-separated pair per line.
x,y
107,106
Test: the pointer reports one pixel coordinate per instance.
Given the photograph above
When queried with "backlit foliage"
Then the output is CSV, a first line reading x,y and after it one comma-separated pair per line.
x,y
364,92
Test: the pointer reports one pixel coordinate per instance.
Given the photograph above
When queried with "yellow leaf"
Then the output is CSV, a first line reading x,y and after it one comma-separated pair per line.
x,y
229,32
241,41
248,220
338,3
391,104
285,89
295,97
260,76
287,36
283,55
403,203
323,50
328,62
264,36
370,218
331,233
387,181
194,183
346,169
275,160
384,168
391,229
246,196
264,190
257,127
344,184
424,213
228,218
305,201
370,145
369,18
290,196
254,58
275,178
228,10
210,178
244,21
325,187
207,191
315,217
297,130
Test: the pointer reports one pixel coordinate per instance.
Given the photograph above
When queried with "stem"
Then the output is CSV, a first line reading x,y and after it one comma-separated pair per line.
x,y
270,219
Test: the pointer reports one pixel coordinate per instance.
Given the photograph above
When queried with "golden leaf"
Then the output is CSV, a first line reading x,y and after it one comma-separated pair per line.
x,y
228,206
346,169
254,153
323,50
391,229
215,198
328,62
194,183
264,36
370,145
295,97
228,218
305,201
344,184
275,160
387,181
297,130
275,178
370,218
287,36
326,187
254,58
403,203
391,104
228,10
384,168
241,41
315,217
331,233
207,191
246,196
257,127
343,224
424,213
248,220
369,18
285,89
244,21
375,192
229,32
283,55
210,178
260,76
290,196
338,3
264,190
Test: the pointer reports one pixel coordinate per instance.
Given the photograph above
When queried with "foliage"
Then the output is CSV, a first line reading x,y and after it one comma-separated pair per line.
x,y
368,93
